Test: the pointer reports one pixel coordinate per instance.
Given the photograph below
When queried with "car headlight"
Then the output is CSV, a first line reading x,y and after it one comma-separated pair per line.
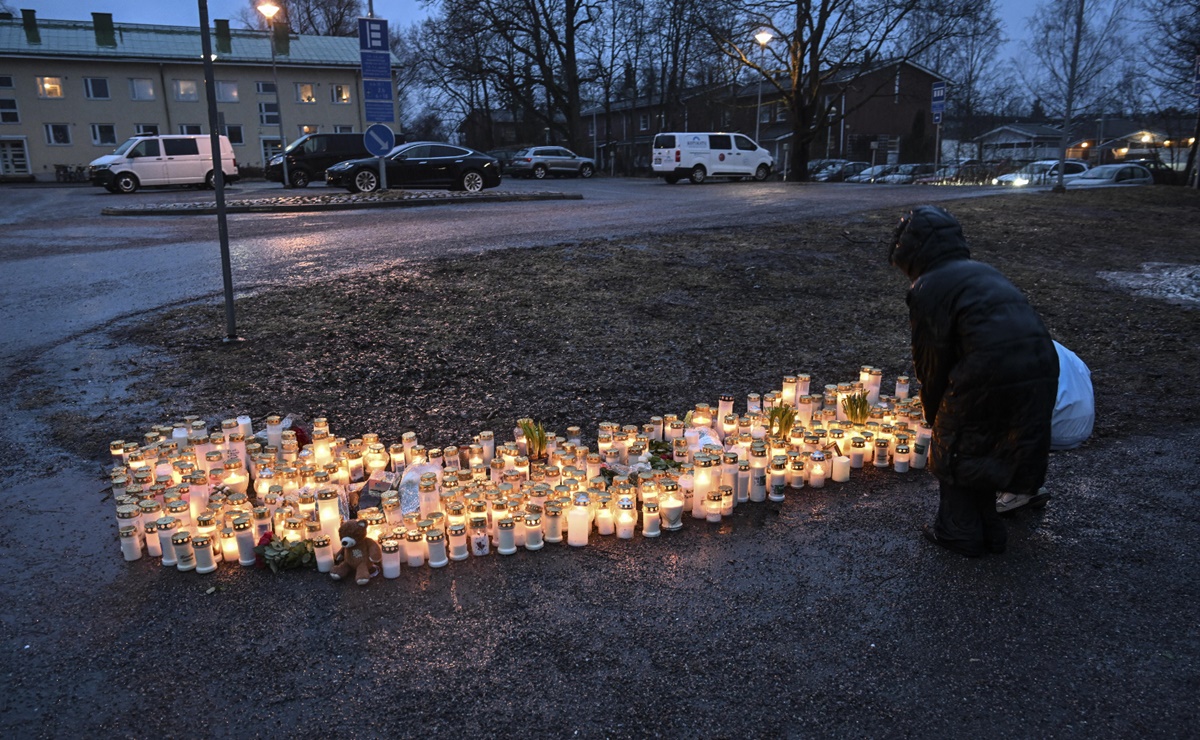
x,y
276,160
101,166
1020,182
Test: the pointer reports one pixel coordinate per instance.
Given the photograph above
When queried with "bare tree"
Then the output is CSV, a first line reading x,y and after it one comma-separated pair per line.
x,y
1077,44
1173,44
821,47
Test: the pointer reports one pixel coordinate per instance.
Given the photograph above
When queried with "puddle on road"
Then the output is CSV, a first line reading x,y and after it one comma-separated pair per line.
x,y
1167,282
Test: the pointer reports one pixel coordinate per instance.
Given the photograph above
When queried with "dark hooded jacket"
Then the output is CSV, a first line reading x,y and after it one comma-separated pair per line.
x,y
986,363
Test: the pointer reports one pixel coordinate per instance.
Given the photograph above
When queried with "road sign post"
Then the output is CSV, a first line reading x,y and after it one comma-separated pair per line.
x,y
937,106
379,140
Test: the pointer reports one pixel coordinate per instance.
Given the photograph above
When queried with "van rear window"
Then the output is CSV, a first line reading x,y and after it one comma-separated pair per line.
x,y
664,141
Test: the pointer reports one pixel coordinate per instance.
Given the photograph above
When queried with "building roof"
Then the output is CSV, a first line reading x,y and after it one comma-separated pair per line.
x,y
139,41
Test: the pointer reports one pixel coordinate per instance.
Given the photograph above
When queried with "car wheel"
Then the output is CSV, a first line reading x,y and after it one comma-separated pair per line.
x,y
126,183
471,181
539,172
210,180
366,181
586,171
299,178
762,173
671,179
698,174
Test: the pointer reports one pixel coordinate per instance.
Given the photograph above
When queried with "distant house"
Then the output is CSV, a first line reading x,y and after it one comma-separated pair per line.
x,y
887,119
1021,142
71,91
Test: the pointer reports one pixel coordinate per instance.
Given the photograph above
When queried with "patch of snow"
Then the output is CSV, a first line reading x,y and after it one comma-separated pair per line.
x,y
1173,283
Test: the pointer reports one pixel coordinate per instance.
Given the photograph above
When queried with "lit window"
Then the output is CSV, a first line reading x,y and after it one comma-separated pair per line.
x,y
58,134
190,129
187,90
340,94
306,92
141,88
309,129
96,88
49,87
146,129
104,134
264,88
227,92
8,111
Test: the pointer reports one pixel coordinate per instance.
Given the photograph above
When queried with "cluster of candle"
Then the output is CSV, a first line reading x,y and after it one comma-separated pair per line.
x,y
196,499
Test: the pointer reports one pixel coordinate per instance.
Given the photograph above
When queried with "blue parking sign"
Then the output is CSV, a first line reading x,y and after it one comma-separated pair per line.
x,y
372,34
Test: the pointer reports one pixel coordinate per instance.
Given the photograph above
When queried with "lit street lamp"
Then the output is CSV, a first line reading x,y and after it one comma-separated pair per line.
x,y
270,10
763,37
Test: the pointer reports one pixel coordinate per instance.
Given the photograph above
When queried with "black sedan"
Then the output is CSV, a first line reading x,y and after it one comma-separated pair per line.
x,y
419,164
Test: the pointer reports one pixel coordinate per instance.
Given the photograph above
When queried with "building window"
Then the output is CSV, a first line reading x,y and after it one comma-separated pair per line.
x,y
146,129
896,87
58,134
104,134
96,88
6,82
340,94
644,122
343,129
309,129
264,88
781,112
187,90
8,111
234,133
227,92
306,92
268,114
764,114
592,129
190,129
49,87
141,88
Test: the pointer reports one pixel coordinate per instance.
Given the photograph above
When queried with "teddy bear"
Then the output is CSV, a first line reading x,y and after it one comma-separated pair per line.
x,y
360,555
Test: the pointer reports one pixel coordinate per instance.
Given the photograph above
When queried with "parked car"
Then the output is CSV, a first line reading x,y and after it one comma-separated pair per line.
x,y
310,155
905,174
1163,173
1112,174
960,174
818,165
539,161
503,156
146,161
872,174
839,172
420,164
1042,172
699,155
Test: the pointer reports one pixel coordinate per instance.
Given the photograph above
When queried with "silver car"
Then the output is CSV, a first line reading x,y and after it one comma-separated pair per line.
x,y
539,161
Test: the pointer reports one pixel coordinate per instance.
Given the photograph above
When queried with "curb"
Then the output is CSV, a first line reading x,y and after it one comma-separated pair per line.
x,y
335,203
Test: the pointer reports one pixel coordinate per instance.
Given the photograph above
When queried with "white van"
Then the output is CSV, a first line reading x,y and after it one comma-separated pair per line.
x,y
146,161
699,156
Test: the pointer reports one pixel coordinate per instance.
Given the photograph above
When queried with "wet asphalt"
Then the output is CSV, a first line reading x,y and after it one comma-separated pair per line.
x,y
824,616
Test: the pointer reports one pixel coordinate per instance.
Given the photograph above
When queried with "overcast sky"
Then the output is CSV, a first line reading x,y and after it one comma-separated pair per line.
x,y
184,12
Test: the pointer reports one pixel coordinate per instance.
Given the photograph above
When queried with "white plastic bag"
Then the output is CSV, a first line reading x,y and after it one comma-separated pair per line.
x,y
1075,406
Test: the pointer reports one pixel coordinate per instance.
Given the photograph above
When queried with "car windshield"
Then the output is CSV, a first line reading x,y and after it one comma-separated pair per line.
x,y
125,147
906,169
1036,168
878,169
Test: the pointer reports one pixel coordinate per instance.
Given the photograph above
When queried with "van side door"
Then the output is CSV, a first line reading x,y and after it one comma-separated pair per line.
x,y
148,163
185,166
745,154
721,155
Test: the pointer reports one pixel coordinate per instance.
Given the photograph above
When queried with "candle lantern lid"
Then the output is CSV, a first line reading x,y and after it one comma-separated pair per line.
x,y
181,538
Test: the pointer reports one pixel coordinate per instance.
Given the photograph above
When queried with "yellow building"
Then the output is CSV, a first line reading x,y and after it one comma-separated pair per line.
x,y
71,91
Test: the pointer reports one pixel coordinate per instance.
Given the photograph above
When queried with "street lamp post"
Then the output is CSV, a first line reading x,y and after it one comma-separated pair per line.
x,y
763,37
270,10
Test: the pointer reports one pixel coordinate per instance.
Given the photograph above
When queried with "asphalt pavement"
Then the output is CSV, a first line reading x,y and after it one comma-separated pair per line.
x,y
824,616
